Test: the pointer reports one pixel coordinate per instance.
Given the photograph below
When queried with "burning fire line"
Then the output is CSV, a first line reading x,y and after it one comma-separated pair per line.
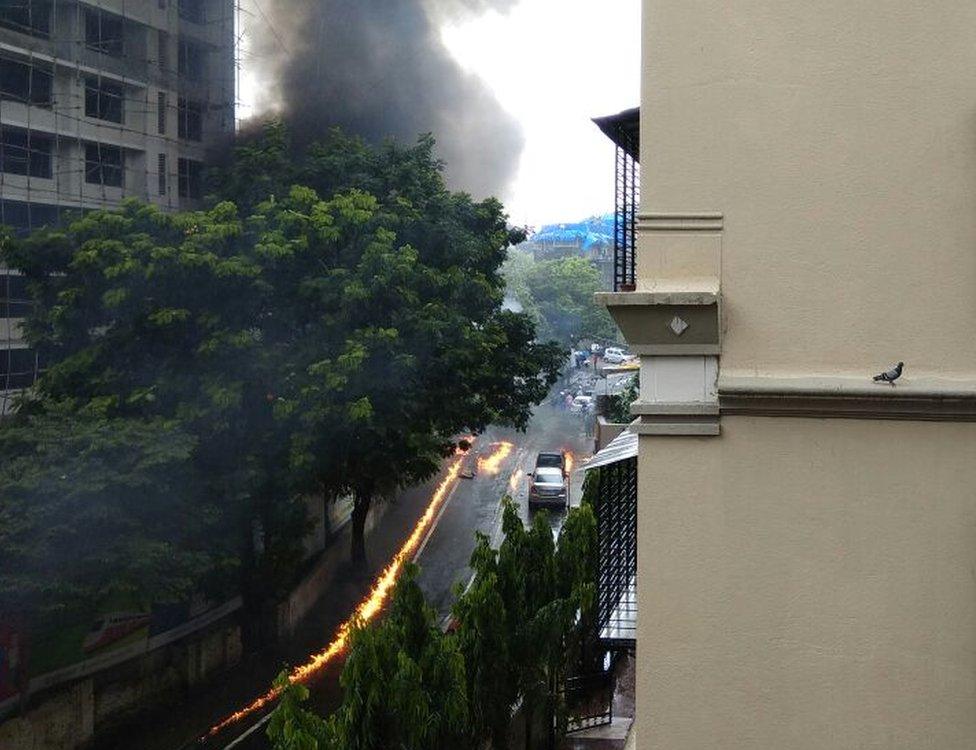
x,y
369,607
514,480
493,463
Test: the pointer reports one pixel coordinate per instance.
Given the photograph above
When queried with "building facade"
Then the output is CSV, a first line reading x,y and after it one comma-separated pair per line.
x,y
101,101
807,218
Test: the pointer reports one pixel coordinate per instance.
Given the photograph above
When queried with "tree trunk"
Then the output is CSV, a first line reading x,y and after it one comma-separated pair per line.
x,y
360,509
251,635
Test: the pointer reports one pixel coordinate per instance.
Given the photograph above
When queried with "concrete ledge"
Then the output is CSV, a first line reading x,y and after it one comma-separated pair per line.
x,y
687,408
661,296
675,350
711,428
920,398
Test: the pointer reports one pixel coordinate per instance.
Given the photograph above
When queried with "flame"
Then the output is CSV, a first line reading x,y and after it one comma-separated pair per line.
x,y
493,463
569,462
513,482
369,607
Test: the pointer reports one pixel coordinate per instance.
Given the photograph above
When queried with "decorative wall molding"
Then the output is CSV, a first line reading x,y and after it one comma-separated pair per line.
x,y
696,221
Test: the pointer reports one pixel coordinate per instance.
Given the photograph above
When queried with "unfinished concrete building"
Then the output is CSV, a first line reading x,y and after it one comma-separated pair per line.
x,y
101,101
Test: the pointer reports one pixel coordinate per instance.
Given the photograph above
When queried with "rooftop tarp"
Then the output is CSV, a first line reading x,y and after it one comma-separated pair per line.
x,y
590,233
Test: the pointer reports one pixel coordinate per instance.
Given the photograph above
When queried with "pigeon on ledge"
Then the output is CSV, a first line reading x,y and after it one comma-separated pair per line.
x,y
890,376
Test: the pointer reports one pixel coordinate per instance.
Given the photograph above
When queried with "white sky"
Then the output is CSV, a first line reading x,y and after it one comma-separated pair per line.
x,y
553,64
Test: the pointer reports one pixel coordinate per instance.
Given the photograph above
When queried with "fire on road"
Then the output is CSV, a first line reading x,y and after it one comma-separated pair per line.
x,y
382,587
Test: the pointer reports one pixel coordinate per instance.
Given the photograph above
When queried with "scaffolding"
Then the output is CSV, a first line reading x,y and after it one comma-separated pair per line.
x,y
93,110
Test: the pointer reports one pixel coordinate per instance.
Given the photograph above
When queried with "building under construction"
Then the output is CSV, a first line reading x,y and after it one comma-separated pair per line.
x,y
100,101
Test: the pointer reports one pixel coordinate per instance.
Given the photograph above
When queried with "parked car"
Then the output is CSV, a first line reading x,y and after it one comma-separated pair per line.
x,y
550,461
547,486
614,355
581,404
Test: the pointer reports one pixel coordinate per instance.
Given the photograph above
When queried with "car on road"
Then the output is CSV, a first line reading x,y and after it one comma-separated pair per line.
x,y
551,460
547,487
581,404
614,355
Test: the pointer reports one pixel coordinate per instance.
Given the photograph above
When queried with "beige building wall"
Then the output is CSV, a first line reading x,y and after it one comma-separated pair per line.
x,y
838,139
808,584
807,560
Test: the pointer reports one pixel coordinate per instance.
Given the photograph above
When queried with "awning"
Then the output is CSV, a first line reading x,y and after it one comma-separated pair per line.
x,y
622,447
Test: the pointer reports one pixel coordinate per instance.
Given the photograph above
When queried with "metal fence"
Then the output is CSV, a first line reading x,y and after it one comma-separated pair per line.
x,y
616,514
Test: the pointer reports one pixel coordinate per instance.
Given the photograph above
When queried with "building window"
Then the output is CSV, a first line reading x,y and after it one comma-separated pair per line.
x,y
190,176
14,299
162,174
25,152
103,99
18,368
25,217
103,32
28,16
190,115
192,60
104,165
25,82
162,50
192,10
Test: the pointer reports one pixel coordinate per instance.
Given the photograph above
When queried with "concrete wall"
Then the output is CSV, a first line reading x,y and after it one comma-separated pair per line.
x,y
808,584
72,716
838,139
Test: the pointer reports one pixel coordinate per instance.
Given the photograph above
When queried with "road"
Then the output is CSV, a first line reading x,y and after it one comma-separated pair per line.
x,y
476,506
470,505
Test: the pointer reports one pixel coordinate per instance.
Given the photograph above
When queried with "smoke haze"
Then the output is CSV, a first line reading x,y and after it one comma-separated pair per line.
x,y
378,68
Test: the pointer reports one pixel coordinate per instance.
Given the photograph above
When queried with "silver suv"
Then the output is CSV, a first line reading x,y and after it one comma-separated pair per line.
x,y
547,484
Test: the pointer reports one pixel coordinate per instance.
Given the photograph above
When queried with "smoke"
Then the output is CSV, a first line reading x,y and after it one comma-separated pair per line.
x,y
378,68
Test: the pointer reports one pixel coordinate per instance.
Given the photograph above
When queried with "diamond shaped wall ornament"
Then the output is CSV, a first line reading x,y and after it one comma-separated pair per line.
x,y
677,325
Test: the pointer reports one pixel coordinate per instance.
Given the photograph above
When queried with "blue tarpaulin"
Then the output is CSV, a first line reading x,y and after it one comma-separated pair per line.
x,y
589,234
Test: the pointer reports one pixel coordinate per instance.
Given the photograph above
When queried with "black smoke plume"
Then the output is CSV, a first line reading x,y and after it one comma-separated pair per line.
x,y
378,68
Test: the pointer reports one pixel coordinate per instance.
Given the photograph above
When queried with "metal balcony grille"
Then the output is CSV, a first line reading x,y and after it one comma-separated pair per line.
x,y
616,514
624,130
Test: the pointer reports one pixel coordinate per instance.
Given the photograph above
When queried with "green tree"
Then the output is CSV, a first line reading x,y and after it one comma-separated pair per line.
x,y
517,624
519,628
93,510
618,408
403,682
146,315
484,637
420,349
560,293
293,727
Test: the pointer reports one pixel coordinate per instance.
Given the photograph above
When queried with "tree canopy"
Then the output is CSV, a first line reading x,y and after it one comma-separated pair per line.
x,y
329,324
92,509
558,295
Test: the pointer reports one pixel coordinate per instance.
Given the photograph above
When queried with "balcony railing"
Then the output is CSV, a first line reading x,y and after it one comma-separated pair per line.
x,y
624,130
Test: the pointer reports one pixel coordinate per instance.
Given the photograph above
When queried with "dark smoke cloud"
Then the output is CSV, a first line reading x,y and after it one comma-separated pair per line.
x,y
378,68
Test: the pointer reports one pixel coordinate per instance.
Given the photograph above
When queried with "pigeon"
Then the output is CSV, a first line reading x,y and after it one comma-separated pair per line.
x,y
890,376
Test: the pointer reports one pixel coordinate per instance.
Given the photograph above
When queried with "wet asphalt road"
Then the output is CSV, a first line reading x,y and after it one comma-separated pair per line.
x,y
476,503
